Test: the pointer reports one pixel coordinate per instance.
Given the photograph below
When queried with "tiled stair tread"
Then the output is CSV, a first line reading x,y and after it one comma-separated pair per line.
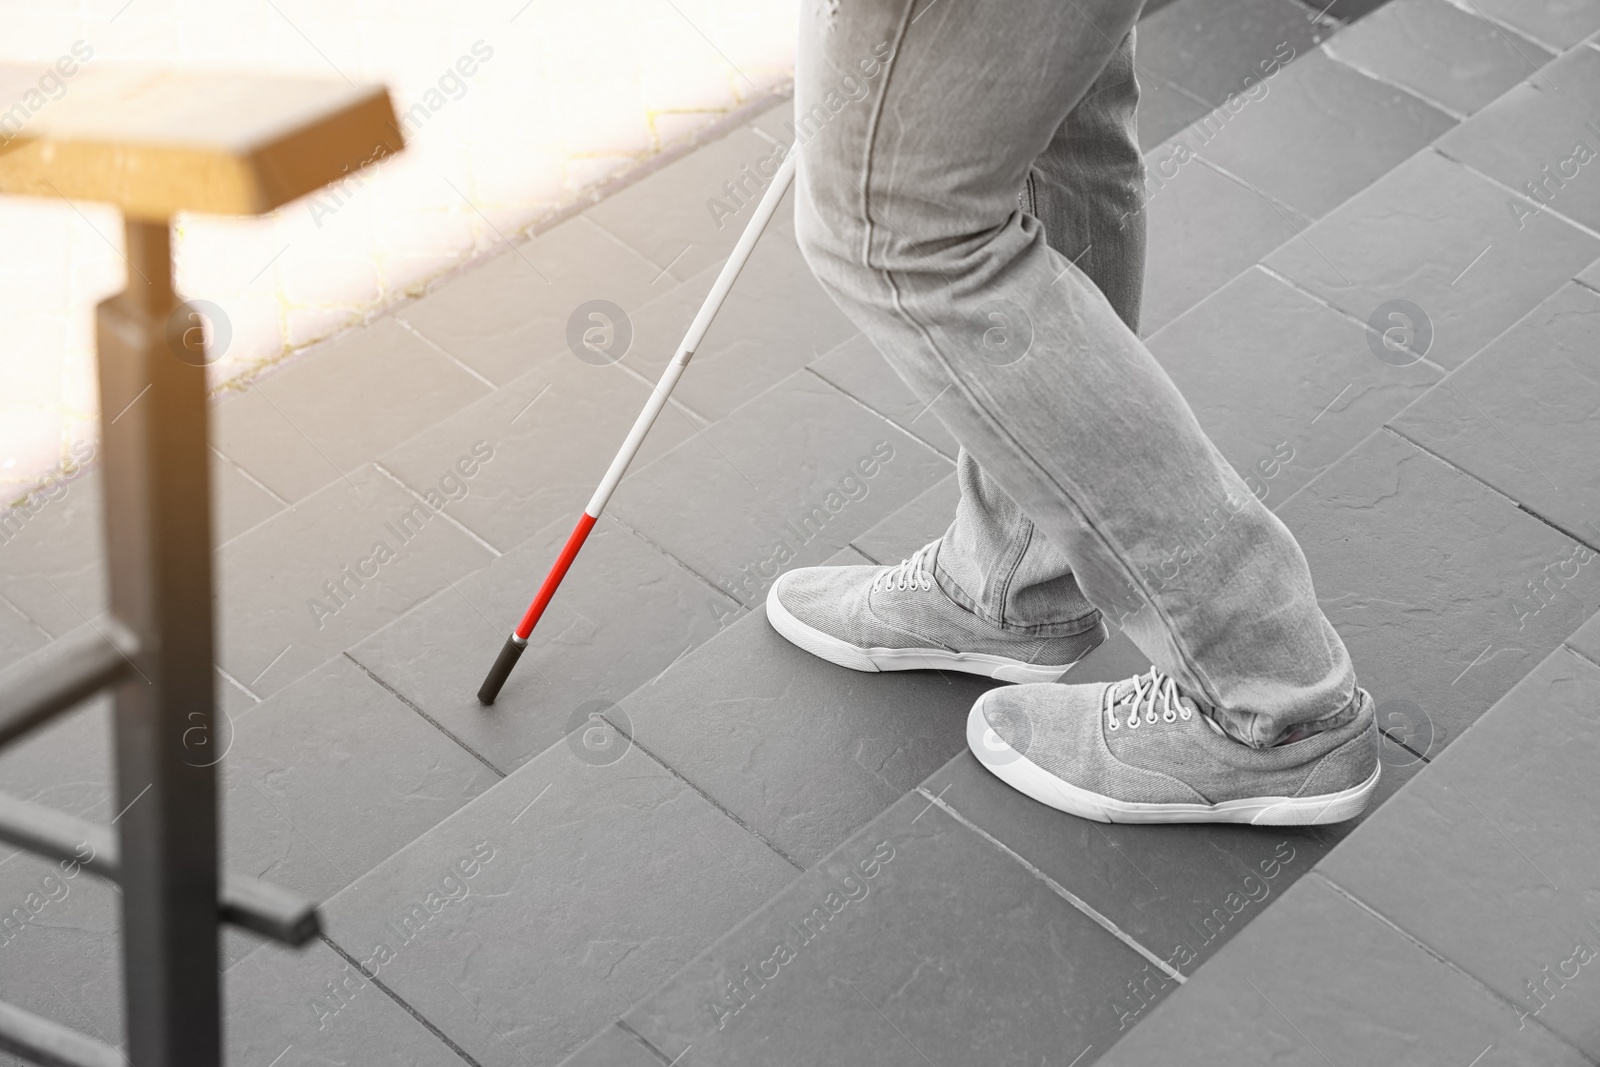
x,y
1282,384
1534,127
317,578
1204,228
1443,239
1322,132
526,455
624,615
327,413
1520,415
505,315
912,940
1418,567
1441,51
1484,862
517,925
1556,23
738,499
803,752
780,321
1237,38
1317,980
1490,858
859,369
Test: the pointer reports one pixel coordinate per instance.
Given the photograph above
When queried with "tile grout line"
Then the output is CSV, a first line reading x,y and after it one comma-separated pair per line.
x,y
426,717
238,684
1284,279
622,1024
1506,29
1519,194
29,619
392,995
495,553
1429,950
1508,498
425,339
251,478
907,430
707,797
680,564
1366,72
1056,887
1566,644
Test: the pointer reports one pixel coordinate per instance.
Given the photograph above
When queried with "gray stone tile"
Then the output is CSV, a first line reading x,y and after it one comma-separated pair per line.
x,y
331,776
531,454
613,1047
1590,275
916,942
1432,233
1282,384
52,557
788,479
624,614
1528,138
1442,52
683,217
922,520
64,960
858,368
1321,134
848,557
18,634
1318,980
1561,23
529,919
1520,416
775,320
804,752
1204,228
1181,891
501,317
1164,109
1489,858
65,764
292,590
324,415
310,1008
237,502
1420,568
1209,46
1586,639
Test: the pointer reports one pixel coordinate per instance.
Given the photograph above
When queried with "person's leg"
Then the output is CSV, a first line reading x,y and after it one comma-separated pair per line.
x,y
1085,189
907,213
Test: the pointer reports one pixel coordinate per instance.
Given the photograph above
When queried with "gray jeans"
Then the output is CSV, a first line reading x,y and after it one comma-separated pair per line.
x,y
1086,482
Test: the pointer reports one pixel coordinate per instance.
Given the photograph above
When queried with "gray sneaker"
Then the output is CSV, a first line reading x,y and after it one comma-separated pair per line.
x,y
1139,751
898,619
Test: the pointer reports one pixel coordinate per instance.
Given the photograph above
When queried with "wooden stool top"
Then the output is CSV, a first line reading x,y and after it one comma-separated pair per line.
x,y
155,142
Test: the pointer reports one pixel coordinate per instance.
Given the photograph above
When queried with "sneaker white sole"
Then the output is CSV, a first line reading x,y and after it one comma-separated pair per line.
x,y
834,650
1028,778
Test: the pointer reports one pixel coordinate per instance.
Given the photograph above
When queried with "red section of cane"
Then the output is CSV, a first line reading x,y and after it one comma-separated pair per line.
x,y
511,651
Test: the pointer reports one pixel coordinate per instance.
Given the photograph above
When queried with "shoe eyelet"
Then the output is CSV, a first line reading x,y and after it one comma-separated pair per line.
x,y
1150,718
1133,723
1116,724
1169,716
1184,715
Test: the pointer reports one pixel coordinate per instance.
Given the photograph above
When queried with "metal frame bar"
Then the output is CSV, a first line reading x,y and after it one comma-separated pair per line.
x,y
78,668
158,540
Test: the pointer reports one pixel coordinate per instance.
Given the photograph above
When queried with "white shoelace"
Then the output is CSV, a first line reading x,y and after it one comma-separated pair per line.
x,y
1145,689
908,573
